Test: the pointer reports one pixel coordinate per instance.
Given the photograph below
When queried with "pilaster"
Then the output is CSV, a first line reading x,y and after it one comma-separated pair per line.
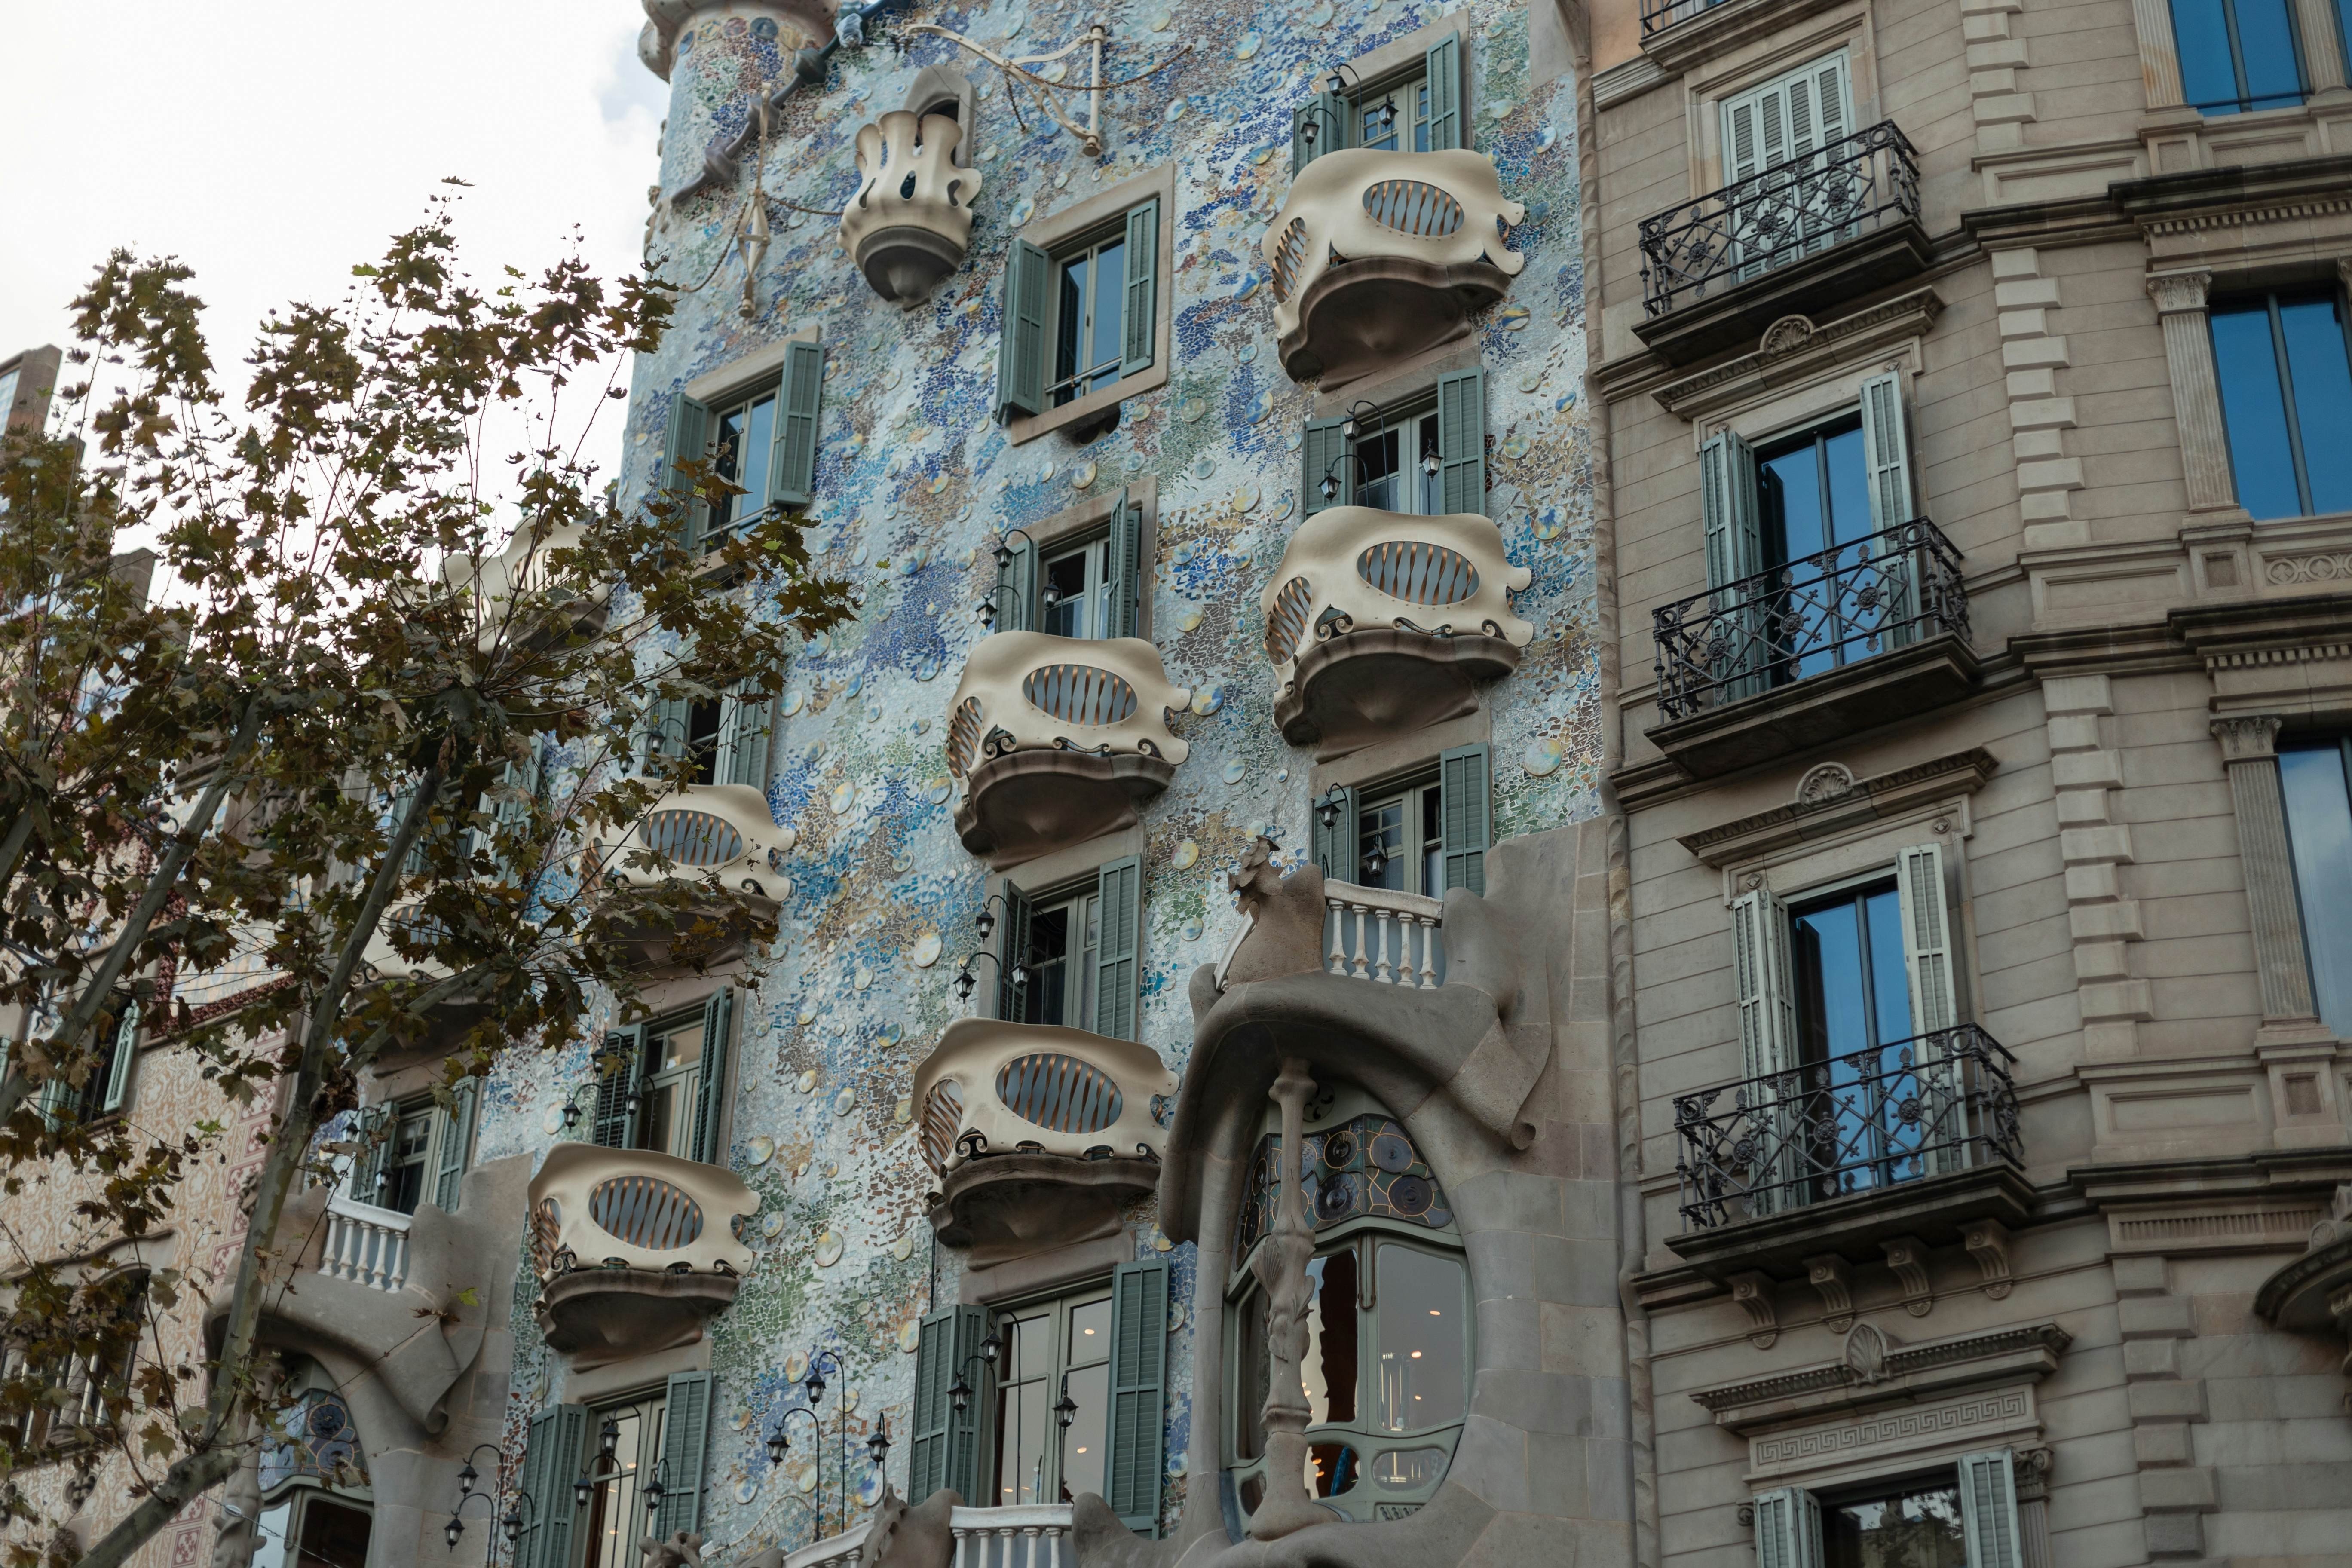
x,y
2195,388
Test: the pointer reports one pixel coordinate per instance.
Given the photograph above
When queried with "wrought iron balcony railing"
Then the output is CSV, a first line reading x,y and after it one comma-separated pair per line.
x,y
1852,601
1794,209
1660,15
1923,1107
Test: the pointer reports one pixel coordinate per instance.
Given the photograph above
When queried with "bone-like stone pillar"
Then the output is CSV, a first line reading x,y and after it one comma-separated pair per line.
x,y
1281,1269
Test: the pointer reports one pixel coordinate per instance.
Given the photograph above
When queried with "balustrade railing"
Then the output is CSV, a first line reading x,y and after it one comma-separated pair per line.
x,y
1657,15
1806,203
1848,603
364,1243
1387,937
1034,1535
1927,1106
996,1085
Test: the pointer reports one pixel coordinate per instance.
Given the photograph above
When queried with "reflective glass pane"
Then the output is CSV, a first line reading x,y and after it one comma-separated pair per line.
x,y
2322,396
1069,326
1846,481
680,1047
273,1550
1428,487
1090,1333
1832,1008
1378,484
727,461
1083,1449
1422,1339
2209,78
759,446
2267,38
1256,1378
334,1535
1433,843
2319,831
1332,1469
1065,576
1401,1470
1909,1529
1110,280
1328,1369
1049,963
2252,404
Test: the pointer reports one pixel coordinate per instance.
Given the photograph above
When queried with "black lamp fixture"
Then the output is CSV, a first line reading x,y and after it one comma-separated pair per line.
x,y
452,1531
608,1438
878,1446
992,1350
512,1526
466,1477
984,922
1328,809
653,1492
582,1490
572,1110
1066,1409
1374,864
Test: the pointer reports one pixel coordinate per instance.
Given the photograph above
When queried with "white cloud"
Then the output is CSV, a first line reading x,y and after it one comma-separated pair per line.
x,y
273,143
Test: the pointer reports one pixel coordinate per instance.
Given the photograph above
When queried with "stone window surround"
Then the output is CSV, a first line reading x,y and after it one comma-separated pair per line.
x,y
1051,533
2182,297
1056,230
739,377
1400,54
1748,60
936,86
2159,55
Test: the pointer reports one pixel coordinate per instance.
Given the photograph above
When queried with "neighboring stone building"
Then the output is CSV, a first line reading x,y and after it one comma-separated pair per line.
x,y
1986,875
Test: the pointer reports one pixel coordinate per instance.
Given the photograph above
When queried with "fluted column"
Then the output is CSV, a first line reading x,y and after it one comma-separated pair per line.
x,y
2196,387
2250,751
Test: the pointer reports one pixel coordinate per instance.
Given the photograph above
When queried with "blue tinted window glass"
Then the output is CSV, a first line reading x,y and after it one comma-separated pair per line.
x,y
2201,34
1790,488
1849,487
1890,979
2319,831
1832,1008
759,446
2323,397
1110,281
2255,411
2266,38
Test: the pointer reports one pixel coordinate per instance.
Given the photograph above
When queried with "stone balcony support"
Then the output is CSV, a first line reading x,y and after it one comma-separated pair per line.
x,y
908,224
721,835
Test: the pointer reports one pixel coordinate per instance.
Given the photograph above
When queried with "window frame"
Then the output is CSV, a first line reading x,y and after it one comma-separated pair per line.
x,y
296,1496
1410,128
1020,584
1055,234
650,1405
373,1165
2315,742
1418,793
2235,302
1062,390
1064,1299
2246,102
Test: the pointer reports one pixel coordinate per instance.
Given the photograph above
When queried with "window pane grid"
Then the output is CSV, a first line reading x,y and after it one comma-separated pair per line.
x,y
2283,365
2238,56
1089,294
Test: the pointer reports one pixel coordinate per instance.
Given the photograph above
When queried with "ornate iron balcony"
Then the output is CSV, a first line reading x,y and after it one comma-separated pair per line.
x,y
1790,211
1883,591
1860,1122
1659,15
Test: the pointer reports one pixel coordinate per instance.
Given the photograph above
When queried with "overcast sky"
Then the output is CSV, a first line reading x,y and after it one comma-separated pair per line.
x,y
272,143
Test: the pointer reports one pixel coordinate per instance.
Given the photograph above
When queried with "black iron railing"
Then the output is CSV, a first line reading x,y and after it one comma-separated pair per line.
x,y
1660,14
1851,186
1923,1107
1849,602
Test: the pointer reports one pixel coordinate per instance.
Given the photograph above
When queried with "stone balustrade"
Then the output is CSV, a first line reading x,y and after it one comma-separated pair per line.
x,y
1387,937
1033,1535
911,221
364,1243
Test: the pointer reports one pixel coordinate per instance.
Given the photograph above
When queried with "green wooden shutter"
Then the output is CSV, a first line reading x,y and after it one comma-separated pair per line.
x,y
1886,463
1328,116
749,720
616,1123
666,727
1989,1510
1119,948
1123,569
688,440
551,1463
800,404
1787,1529
1335,847
1443,63
1466,811
945,1451
1761,973
1138,1377
1016,590
119,1061
1139,321
1930,965
1326,449
685,1447
1021,358
372,1131
1462,441
1734,550
452,1137
710,1096
1014,950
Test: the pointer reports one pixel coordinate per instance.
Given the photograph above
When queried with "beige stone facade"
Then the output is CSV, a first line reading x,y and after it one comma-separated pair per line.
x,y
2080,721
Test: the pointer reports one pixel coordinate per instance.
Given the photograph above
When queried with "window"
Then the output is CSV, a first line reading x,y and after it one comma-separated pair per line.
x,y
107,1089
308,1527
1961,1516
2237,54
1107,1347
664,1083
1387,1365
1071,957
1424,455
2319,834
2285,375
414,1151
1789,123
316,1511
761,441
724,738
621,1452
92,1380
588,1472
1081,317
1416,110
1090,583
1424,834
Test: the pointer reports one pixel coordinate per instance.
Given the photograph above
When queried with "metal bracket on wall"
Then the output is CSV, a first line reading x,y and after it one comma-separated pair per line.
x,y
1089,134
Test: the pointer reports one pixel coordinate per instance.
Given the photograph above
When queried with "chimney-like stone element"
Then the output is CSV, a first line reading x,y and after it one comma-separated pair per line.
x,y
908,223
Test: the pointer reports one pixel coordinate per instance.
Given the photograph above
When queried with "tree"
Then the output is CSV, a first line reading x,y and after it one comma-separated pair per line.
x,y
393,698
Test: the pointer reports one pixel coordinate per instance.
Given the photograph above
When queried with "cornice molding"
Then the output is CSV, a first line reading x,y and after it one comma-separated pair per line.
x,y
1833,810
1793,349
1873,1370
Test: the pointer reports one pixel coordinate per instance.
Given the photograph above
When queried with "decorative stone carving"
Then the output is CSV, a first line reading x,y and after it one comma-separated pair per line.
x,y
1873,1371
1785,336
1754,1293
1865,1352
2248,737
1988,1241
2314,1292
1907,1256
1280,1265
1828,782
2178,291
910,222
1832,1277
678,1550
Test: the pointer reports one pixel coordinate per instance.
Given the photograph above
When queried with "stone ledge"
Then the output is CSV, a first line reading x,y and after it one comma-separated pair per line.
x,y
1838,810
1846,270
1365,314
597,1316
1027,803
1933,1209
1898,684
1363,687
998,1207
1889,1373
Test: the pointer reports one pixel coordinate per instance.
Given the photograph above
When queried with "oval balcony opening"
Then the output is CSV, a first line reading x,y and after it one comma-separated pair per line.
x,y
1285,623
1412,207
1419,572
692,837
646,1211
942,1120
1080,694
1059,1093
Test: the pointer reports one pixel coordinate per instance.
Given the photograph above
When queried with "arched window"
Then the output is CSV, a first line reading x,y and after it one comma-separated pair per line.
x,y
1387,1367
316,1508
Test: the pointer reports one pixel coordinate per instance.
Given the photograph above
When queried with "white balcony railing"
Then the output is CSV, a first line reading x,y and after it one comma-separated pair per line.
x,y
364,1243
1034,1536
1386,937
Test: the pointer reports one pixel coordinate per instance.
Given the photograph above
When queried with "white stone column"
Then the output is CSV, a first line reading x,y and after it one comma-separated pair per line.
x,y
2250,753
2195,388
2160,57
2322,46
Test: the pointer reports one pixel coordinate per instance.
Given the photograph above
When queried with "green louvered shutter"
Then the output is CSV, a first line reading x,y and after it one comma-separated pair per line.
x,y
1787,1529
800,405
710,1096
372,1131
1989,1510
1012,950
1123,569
685,1447
1928,961
118,1063
666,721
1734,550
452,1139
1138,1377
1335,847
945,1452
1444,67
551,1463
1119,948
1466,811
1324,450
688,440
1016,590
1021,358
1764,982
1138,319
1328,116
1462,441
616,1123
744,742
1886,462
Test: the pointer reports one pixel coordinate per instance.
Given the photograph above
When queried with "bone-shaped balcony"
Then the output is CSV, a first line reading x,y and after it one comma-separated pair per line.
x,y
1037,1134
1378,622
706,835
1378,257
1059,740
911,221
